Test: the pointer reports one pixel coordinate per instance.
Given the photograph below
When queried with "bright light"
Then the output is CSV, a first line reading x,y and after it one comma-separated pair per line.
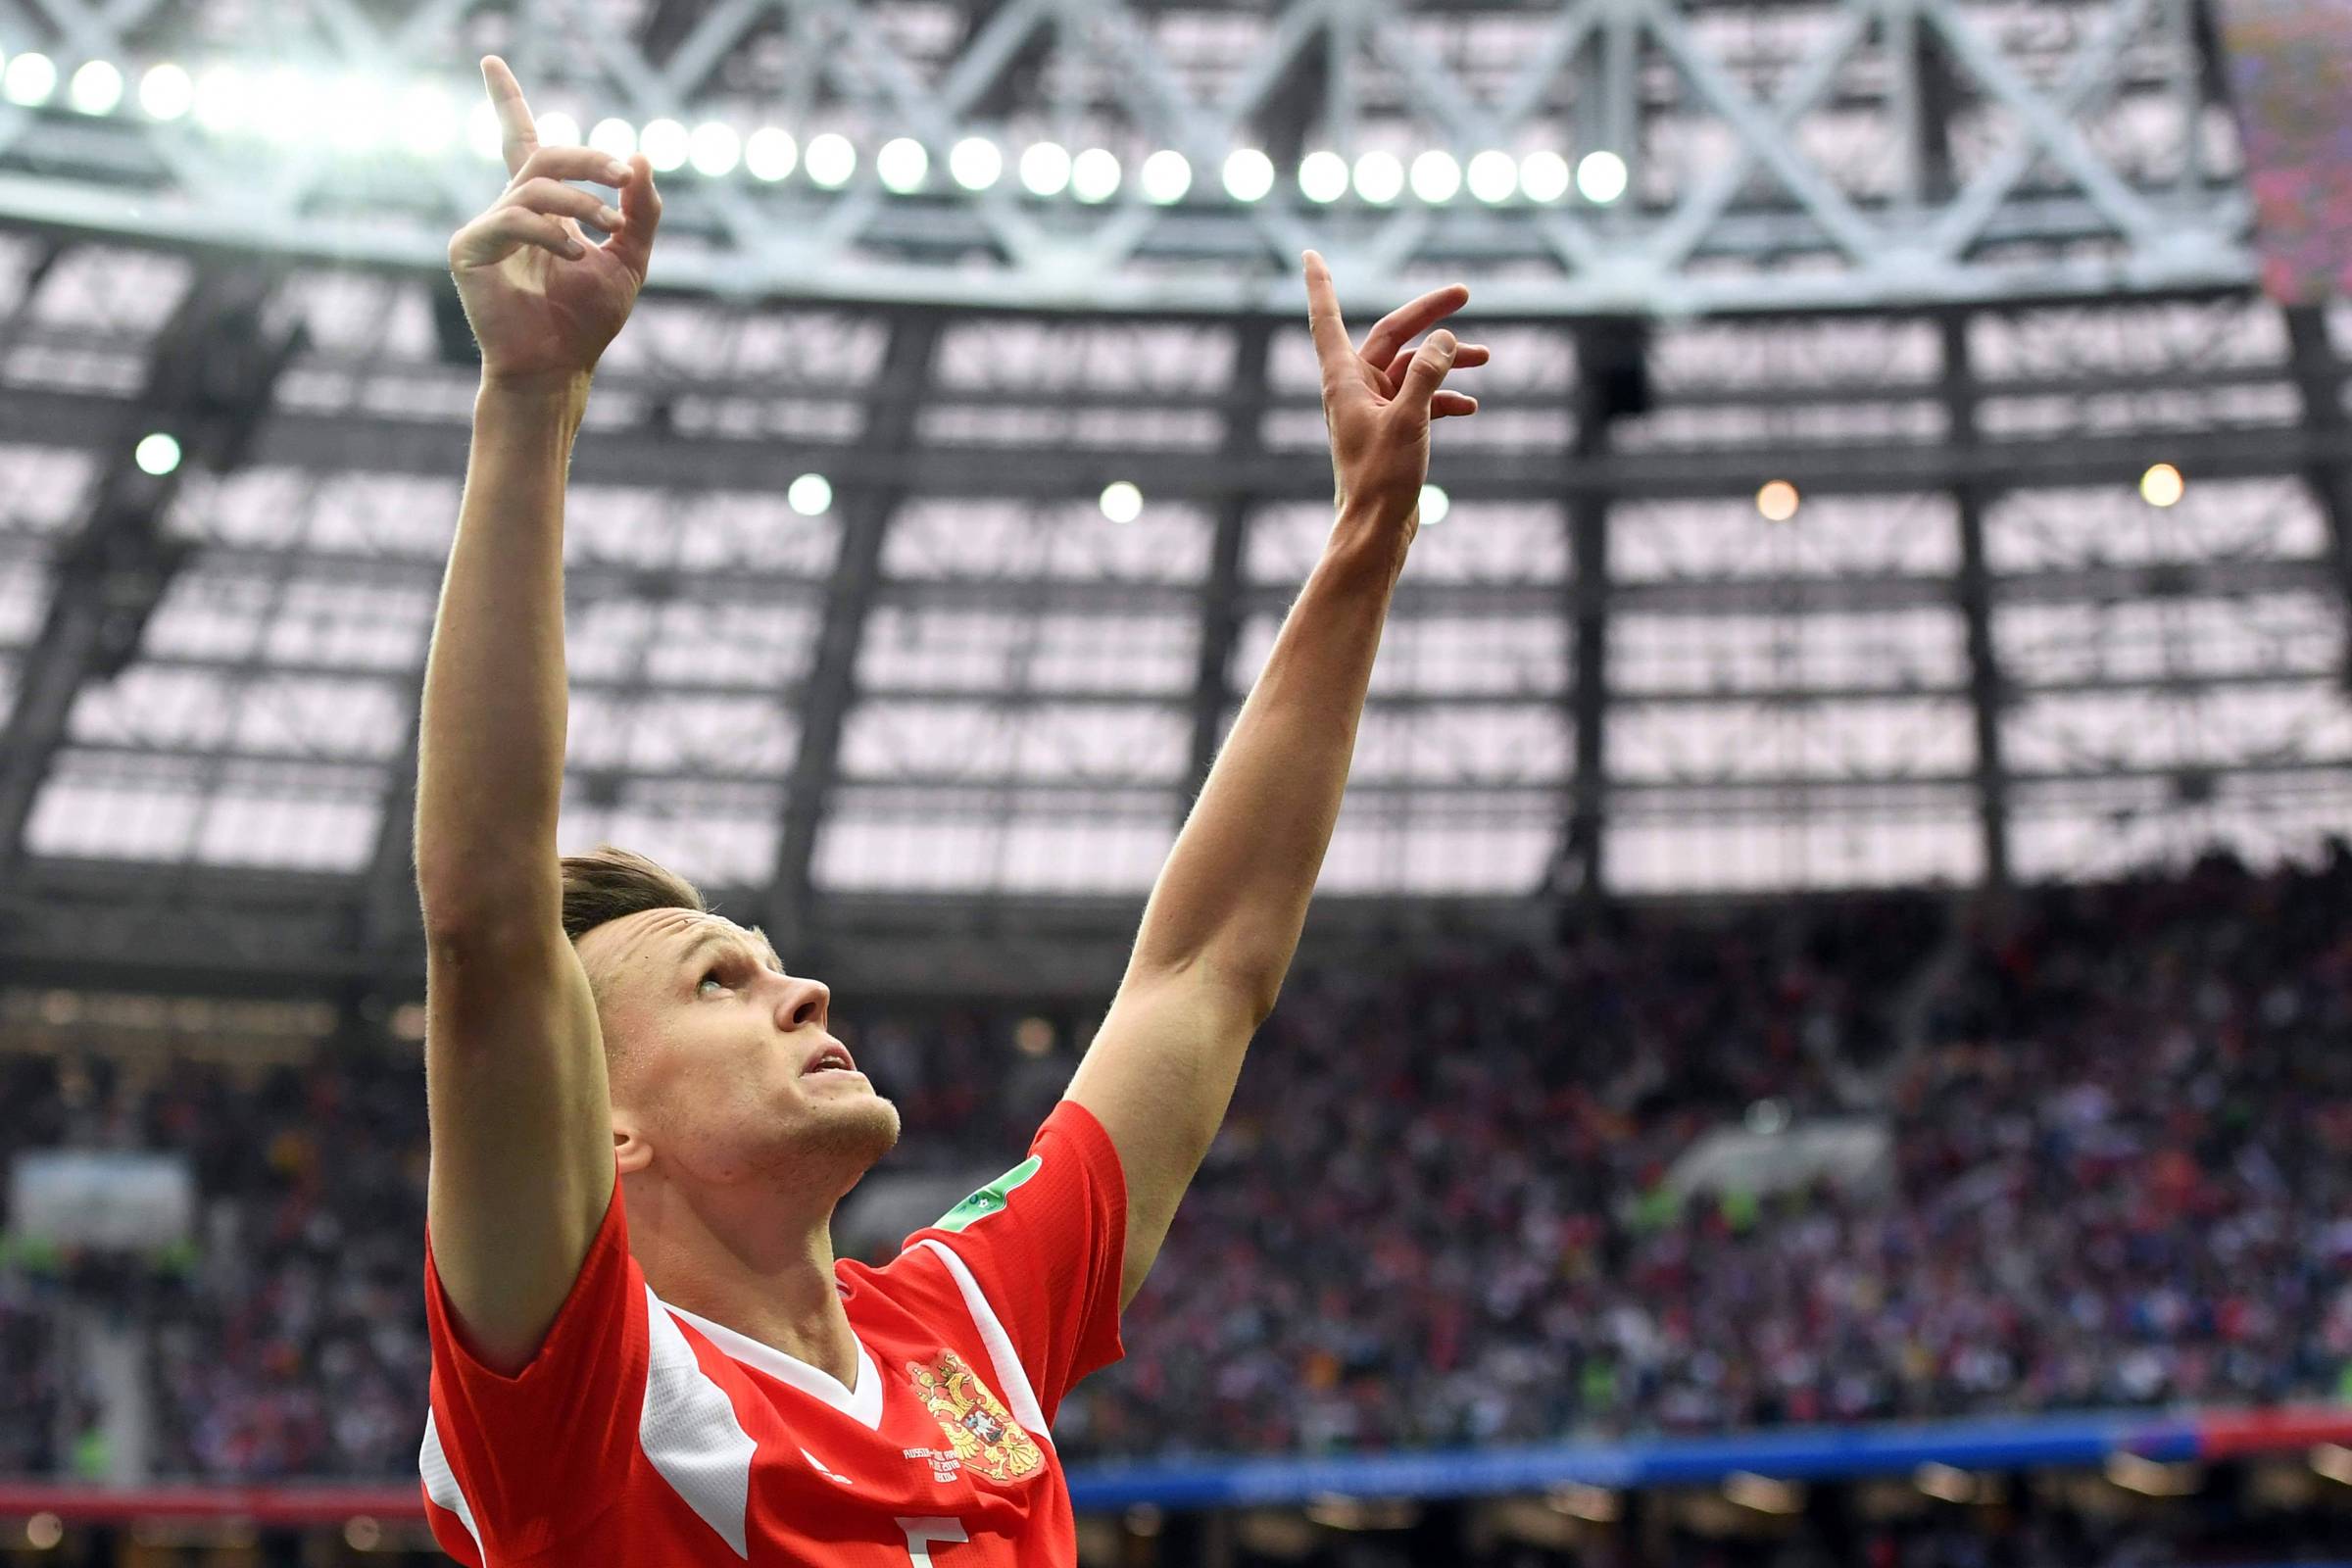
x,y
1379,177
1435,504
557,130
1777,501
1249,175
220,99
1046,167
29,79
1544,176
665,144
482,133
975,163
1436,175
96,88
714,149
1494,175
288,108
363,115
2162,485
165,93
613,137
770,153
1601,177
1095,174
830,160
157,454
1323,176
1166,176
811,495
1122,501
902,164
428,121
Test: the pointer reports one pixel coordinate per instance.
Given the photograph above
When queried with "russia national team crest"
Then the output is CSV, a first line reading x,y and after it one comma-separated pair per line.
x,y
984,1434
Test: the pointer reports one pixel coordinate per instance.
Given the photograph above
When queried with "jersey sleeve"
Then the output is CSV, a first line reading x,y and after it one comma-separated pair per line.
x,y
1045,1243
525,1461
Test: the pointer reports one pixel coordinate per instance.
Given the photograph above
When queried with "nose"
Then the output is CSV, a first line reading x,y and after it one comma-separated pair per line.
x,y
804,1001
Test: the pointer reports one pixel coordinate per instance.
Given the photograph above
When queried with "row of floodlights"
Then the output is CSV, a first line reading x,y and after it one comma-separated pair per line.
x,y
2162,485
812,494
360,115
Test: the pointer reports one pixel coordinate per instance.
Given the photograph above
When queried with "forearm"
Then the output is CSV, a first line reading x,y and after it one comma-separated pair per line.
x,y
490,755
1234,893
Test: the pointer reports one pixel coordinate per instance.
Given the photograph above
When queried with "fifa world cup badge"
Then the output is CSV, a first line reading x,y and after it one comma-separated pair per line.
x,y
983,1433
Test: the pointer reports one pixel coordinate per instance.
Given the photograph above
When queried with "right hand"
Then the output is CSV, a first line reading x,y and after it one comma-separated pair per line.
x,y
543,297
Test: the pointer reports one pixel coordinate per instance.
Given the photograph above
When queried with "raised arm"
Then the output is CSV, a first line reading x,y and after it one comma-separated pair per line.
x,y
1224,918
515,1071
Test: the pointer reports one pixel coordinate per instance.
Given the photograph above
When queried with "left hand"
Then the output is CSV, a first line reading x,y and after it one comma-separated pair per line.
x,y
1379,400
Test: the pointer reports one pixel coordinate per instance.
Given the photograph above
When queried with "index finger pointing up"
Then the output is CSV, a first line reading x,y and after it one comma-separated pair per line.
x,y
517,133
1332,347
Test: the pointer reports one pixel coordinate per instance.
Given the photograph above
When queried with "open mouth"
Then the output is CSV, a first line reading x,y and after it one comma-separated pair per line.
x,y
833,1058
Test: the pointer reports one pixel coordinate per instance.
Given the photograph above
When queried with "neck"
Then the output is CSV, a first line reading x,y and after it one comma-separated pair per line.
x,y
747,1259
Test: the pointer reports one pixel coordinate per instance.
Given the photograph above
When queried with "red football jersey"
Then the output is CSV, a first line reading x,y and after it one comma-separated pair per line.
x,y
640,1434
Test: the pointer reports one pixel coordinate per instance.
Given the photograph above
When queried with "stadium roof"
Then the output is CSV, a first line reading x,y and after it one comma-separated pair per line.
x,y
1972,649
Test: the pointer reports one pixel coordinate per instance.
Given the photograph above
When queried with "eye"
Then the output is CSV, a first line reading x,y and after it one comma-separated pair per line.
x,y
711,979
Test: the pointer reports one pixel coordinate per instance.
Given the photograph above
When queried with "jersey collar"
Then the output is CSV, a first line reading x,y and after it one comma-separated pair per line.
x,y
863,1404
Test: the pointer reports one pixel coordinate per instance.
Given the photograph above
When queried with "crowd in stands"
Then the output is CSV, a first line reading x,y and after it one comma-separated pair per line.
x,y
2122,1174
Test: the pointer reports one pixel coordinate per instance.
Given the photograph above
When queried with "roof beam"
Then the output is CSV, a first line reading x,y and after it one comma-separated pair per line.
x,y
1973,589
1222,605
866,516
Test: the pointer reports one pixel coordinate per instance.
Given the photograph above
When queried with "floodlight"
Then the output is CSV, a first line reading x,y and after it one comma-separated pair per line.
x,y
666,144
1494,175
714,149
1379,177
1249,175
165,93
613,137
1435,504
1778,501
1323,176
1046,167
1601,177
1095,174
29,79
1436,175
96,88
157,454
811,495
902,164
1166,176
975,163
769,153
2162,485
427,119
220,99
557,129
482,133
1122,501
830,160
1544,176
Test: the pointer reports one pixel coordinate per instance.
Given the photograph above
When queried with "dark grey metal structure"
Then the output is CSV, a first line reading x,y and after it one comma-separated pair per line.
x,y
1961,272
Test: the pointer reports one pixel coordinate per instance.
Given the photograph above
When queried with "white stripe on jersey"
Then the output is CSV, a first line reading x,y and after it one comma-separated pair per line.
x,y
441,1482
1011,1377
690,1434
863,1404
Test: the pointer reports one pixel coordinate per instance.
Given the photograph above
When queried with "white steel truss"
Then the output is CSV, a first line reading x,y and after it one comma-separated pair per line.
x,y
1811,153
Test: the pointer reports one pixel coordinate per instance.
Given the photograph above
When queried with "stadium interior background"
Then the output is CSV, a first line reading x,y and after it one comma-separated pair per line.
x,y
1823,1035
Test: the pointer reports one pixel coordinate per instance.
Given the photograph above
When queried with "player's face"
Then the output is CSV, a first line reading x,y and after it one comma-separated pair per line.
x,y
724,1066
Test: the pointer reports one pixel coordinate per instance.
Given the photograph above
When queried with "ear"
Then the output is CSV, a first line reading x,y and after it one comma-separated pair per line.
x,y
632,1152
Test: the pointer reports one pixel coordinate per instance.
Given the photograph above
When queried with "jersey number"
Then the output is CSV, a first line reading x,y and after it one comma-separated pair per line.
x,y
923,1534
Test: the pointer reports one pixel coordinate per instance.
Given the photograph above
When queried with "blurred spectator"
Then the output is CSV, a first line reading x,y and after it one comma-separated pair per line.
x,y
2123,1128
